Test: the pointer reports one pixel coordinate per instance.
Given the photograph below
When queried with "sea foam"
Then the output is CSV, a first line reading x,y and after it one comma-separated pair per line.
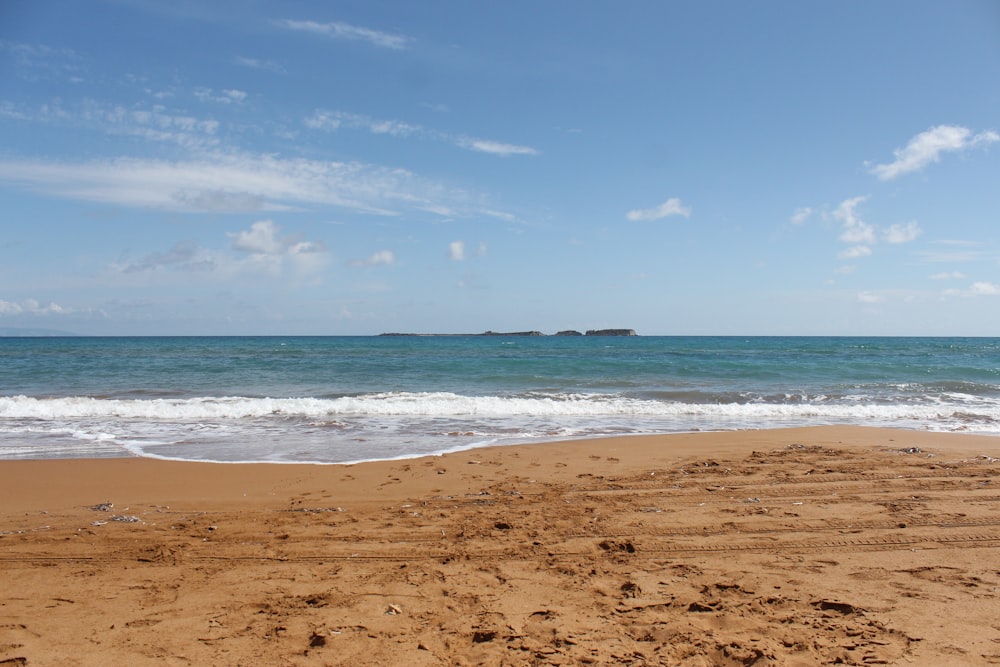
x,y
444,404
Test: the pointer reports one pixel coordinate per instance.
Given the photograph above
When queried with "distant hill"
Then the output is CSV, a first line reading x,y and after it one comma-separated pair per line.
x,y
19,332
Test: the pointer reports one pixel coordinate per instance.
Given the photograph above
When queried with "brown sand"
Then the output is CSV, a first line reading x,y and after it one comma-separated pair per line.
x,y
791,547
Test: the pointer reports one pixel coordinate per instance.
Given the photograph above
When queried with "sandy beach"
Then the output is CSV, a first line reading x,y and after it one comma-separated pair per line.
x,y
823,545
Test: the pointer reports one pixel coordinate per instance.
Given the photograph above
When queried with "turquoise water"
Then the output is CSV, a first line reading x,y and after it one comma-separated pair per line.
x,y
339,399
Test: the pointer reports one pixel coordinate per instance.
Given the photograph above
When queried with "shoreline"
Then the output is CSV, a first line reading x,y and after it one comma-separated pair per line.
x,y
495,444
82,473
786,546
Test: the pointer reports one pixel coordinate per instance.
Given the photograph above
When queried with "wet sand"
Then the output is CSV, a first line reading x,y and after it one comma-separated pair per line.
x,y
824,545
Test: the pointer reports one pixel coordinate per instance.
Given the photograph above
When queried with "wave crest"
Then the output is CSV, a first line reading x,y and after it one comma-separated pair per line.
x,y
445,404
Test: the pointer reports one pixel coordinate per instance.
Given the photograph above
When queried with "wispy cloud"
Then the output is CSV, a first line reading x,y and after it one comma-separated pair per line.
x,y
210,177
928,146
154,124
327,120
10,110
341,30
238,182
801,215
257,63
672,206
380,258
184,256
948,275
214,179
495,147
227,96
499,215
42,62
855,252
439,108
953,251
332,120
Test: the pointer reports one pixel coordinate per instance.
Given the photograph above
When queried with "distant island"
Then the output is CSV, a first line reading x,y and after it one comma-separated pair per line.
x,y
590,332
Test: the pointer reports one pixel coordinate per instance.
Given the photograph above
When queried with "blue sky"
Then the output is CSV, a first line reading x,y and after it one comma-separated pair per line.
x,y
828,167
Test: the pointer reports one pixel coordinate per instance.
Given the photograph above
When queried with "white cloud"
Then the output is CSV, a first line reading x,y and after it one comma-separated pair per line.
x,y
985,289
801,215
928,146
855,230
260,248
325,120
261,238
869,297
392,127
31,307
861,235
341,30
672,206
902,233
976,289
495,147
268,250
458,252
855,252
953,275
382,257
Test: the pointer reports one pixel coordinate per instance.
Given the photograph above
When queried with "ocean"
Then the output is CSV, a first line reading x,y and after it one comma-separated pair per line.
x,y
350,399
